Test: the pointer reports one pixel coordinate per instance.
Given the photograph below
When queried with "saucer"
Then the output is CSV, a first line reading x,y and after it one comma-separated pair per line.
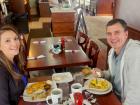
x,y
56,51
69,102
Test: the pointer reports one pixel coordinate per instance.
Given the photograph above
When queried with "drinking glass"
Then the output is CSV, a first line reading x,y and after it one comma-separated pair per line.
x,y
79,78
66,90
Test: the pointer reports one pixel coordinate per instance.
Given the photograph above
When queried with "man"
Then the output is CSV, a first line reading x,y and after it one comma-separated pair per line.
x,y
124,63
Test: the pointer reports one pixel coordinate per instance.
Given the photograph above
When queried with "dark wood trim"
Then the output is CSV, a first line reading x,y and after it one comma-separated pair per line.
x,y
114,8
133,33
104,8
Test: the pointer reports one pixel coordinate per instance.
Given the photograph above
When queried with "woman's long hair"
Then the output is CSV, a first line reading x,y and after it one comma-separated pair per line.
x,y
18,58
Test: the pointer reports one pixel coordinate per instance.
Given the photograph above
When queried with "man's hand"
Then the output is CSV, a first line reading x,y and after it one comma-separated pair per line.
x,y
97,72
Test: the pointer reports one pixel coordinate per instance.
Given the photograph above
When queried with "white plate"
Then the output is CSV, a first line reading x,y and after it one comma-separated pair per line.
x,y
90,76
97,92
56,51
62,77
28,98
69,102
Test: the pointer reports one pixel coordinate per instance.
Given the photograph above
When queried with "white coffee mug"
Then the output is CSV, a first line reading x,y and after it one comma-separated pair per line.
x,y
76,87
56,96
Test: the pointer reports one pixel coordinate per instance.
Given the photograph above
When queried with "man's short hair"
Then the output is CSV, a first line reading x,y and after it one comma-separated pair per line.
x,y
120,21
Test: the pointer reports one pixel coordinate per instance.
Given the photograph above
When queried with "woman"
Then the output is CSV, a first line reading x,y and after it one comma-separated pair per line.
x,y
12,78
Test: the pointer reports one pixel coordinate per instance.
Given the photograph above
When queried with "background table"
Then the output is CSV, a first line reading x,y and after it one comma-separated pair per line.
x,y
62,60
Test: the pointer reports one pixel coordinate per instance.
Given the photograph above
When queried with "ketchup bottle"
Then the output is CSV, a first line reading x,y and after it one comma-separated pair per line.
x,y
62,43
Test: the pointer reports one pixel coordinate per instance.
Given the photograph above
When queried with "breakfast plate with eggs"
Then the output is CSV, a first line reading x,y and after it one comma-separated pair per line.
x,y
87,72
37,91
98,86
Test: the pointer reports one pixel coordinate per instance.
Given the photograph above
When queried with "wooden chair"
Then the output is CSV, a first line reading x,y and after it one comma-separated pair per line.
x,y
38,33
80,24
83,40
78,15
23,42
24,48
24,51
92,53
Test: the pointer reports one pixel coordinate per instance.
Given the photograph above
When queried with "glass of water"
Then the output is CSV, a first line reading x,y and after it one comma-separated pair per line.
x,y
79,78
66,90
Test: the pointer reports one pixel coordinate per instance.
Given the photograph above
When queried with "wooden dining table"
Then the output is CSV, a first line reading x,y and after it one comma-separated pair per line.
x,y
107,99
74,56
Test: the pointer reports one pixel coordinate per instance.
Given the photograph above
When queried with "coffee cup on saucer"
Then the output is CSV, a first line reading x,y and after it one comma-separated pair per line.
x,y
55,97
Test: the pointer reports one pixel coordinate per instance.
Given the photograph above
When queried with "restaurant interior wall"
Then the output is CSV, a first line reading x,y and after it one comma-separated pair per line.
x,y
131,16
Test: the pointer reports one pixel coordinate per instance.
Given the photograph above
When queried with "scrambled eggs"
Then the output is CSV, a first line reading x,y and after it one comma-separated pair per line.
x,y
38,90
99,84
35,87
